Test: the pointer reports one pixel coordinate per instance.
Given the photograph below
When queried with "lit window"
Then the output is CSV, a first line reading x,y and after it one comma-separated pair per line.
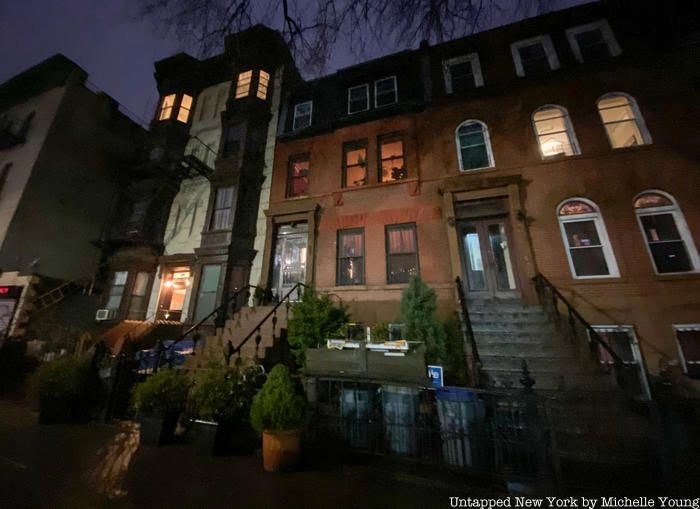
x,y
586,240
666,233
385,92
221,218
462,73
358,99
555,135
243,85
593,41
351,257
354,164
473,146
298,177
116,290
183,113
263,82
534,56
391,161
166,108
401,253
688,337
622,120
302,115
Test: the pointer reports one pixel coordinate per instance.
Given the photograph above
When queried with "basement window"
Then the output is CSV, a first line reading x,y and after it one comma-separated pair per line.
x,y
166,107
243,84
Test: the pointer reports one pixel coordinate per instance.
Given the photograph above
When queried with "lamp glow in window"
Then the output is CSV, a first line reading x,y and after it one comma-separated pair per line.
x,y
263,83
183,113
166,108
622,120
555,135
243,85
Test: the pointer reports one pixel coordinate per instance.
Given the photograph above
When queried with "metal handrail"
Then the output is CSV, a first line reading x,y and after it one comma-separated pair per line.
x,y
473,358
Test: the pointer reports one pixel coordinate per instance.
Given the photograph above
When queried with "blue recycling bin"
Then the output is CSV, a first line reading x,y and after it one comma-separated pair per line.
x,y
460,411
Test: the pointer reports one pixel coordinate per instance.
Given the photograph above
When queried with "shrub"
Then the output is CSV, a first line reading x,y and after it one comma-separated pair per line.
x,y
418,305
162,392
60,386
314,319
456,369
380,332
277,406
226,394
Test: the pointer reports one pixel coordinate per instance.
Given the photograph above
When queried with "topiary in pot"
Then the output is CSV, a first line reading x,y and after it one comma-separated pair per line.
x,y
279,413
159,400
60,387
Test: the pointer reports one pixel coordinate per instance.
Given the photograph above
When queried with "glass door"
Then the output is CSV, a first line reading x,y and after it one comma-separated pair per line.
x,y
290,259
486,258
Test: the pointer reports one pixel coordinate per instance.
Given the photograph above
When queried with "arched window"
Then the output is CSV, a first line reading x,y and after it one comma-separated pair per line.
x,y
586,240
622,120
473,146
666,233
555,135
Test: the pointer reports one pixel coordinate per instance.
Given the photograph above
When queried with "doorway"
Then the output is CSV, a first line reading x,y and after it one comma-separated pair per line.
x,y
173,293
289,267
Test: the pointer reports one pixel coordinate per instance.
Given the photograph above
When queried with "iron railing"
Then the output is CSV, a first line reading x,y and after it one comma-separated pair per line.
x,y
470,348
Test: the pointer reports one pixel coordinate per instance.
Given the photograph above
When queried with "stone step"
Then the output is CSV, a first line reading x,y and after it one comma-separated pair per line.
x,y
596,382
512,316
531,350
536,364
543,328
502,305
488,336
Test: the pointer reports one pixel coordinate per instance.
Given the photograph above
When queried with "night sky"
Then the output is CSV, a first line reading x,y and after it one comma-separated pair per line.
x,y
109,42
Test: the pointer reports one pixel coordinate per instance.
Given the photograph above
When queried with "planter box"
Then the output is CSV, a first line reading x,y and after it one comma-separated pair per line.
x,y
158,430
204,437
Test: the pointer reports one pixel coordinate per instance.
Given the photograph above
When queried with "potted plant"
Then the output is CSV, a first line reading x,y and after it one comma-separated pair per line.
x,y
159,400
60,386
221,404
279,413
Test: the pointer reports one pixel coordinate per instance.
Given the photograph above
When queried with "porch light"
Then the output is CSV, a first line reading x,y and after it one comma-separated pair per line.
x,y
168,283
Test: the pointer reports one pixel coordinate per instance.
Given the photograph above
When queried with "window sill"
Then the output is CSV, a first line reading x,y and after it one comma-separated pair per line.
x,y
485,169
678,275
376,185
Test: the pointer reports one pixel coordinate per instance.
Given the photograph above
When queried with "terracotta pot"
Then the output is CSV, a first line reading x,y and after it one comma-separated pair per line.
x,y
281,449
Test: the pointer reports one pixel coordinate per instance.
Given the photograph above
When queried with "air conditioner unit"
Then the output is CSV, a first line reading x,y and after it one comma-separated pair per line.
x,y
105,314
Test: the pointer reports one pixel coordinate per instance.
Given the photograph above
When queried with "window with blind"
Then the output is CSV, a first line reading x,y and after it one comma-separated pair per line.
x,y
221,218
243,84
183,114
298,177
623,122
351,257
401,253
688,337
263,84
166,107
555,135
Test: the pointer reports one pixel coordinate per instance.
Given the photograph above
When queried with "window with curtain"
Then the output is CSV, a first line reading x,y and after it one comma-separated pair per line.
x,y
138,300
243,84
666,233
183,114
116,290
555,135
351,257
688,337
263,83
166,107
586,240
298,177
392,165
622,120
473,146
401,253
354,164
221,218
207,292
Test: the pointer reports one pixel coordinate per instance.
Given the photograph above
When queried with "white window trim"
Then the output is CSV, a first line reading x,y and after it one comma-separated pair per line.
x,y
472,58
366,87
311,114
679,327
549,51
636,352
487,141
681,225
606,32
601,229
638,118
569,130
396,91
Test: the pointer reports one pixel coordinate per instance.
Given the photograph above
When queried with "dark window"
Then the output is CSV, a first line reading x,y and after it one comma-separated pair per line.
x,y
620,343
385,92
139,296
401,253
358,98
689,342
461,75
298,177
233,141
474,149
351,257
392,165
592,45
221,216
665,243
534,58
354,164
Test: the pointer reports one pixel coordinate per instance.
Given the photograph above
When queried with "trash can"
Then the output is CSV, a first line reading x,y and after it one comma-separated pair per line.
x,y
400,406
461,413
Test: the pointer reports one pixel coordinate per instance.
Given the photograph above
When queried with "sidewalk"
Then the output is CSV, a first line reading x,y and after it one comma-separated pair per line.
x,y
102,466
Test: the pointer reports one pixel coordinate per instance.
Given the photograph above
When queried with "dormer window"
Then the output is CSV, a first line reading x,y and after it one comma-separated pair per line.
x,y
243,84
183,114
166,107
593,41
263,82
462,73
302,115
358,99
385,92
534,56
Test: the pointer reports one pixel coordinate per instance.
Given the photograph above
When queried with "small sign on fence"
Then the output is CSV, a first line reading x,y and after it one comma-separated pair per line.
x,y
435,375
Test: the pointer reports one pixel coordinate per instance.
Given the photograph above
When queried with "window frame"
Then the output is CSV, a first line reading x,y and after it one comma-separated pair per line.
x,y
608,36
296,116
473,59
550,52
188,110
601,230
163,107
339,233
294,159
350,89
680,327
681,226
347,147
573,141
238,93
395,89
214,209
261,91
124,292
400,226
638,118
382,140
487,143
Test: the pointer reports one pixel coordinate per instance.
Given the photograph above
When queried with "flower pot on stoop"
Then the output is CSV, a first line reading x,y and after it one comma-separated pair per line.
x,y
158,429
281,449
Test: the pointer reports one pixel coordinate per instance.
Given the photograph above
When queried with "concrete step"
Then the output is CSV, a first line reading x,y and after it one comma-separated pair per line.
x,y
542,328
531,350
594,382
502,305
511,316
536,364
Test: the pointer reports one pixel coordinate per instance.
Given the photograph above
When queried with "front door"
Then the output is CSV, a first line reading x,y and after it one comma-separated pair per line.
x,y
290,258
487,261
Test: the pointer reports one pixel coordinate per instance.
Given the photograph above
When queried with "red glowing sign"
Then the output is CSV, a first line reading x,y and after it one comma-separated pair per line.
x,y
10,291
